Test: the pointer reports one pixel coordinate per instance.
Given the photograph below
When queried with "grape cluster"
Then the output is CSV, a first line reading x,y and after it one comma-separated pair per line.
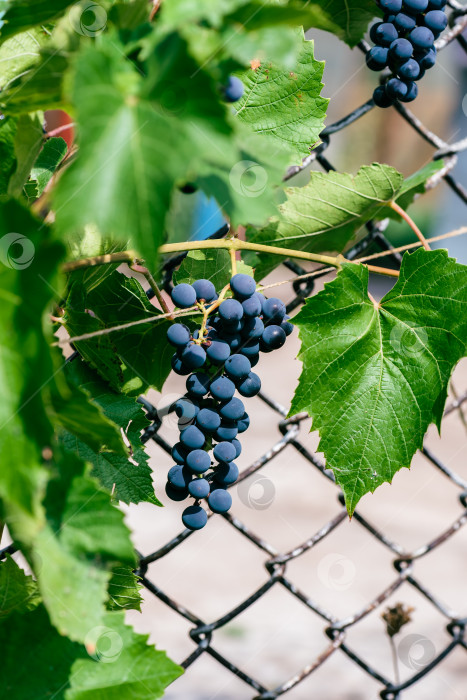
x,y
405,43
217,359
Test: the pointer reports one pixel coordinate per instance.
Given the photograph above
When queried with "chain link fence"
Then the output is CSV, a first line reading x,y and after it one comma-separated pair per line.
x,y
335,630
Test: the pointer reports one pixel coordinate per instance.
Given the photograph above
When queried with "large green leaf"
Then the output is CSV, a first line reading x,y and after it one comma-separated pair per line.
x,y
18,592
327,214
130,480
48,160
20,53
28,143
286,105
19,15
124,590
376,375
141,672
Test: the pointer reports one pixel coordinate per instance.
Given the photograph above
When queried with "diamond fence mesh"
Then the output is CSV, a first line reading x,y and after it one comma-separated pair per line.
x,y
335,630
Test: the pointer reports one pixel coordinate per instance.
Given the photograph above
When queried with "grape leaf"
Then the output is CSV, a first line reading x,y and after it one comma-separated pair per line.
x,y
28,143
413,185
131,359
129,480
286,105
351,16
376,375
20,15
327,214
48,160
124,590
45,654
18,592
7,152
141,672
19,53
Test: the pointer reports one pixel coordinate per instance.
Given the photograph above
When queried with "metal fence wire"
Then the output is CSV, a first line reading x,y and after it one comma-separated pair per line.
x,y
335,630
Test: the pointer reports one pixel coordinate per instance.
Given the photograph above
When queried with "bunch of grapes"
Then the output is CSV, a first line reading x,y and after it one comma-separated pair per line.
x,y
217,359
405,43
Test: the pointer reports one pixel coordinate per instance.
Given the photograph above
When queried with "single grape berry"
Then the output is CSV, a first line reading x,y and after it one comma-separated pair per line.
x,y
194,356
178,366
242,286
237,366
250,349
220,501
250,386
427,60
404,22
273,337
231,310
234,89
436,20
179,453
412,92
381,98
396,89
194,517
384,33
253,328
273,310
377,58
183,295
391,5
198,461
226,473
224,452
415,6
238,447
233,339
205,290
251,307
410,70
192,437
199,488
401,50
286,326
179,477
226,431
218,352
175,494
421,38
186,410
243,423
222,388
178,335
198,384
208,420
232,410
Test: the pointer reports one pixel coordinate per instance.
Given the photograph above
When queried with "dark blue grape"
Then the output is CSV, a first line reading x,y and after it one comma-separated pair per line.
x,y
412,92
253,328
286,326
243,423
273,310
198,384
218,352
261,298
251,307
175,494
179,477
192,437
250,386
384,34
220,501
194,517
377,58
273,337
436,20
401,50
178,335
396,89
410,70
437,4
391,5
226,474
421,38
231,310
183,295
428,59
404,22
238,447
250,349
178,366
234,341
208,420
186,411
224,452
227,431
238,366
242,286
381,98
199,488
179,453
222,388
232,327
234,89
194,356
198,461
254,359
205,290
415,6
232,410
